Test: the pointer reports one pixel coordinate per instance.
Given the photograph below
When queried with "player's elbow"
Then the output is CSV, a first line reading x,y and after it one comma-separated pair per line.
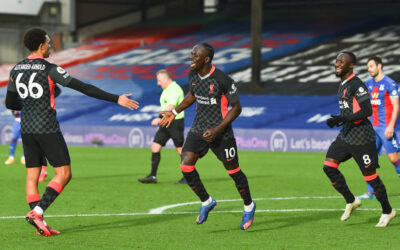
x,y
237,109
13,105
240,109
8,105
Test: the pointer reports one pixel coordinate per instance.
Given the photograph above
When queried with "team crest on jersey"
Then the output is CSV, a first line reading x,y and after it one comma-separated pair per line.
x,y
212,88
344,93
382,87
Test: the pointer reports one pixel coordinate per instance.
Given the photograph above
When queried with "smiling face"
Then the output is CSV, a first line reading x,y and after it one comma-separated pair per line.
x,y
343,65
199,58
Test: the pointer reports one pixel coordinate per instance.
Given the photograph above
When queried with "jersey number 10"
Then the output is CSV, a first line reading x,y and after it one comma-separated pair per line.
x,y
34,89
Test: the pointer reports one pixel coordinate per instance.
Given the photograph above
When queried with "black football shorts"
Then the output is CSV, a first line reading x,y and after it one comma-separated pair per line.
x,y
39,147
174,131
365,155
224,148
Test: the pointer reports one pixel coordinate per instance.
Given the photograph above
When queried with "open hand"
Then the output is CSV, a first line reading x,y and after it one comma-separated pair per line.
x,y
168,118
126,102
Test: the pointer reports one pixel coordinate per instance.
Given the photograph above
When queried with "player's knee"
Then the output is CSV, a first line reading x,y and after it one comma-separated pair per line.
x,y
188,158
393,158
30,180
156,147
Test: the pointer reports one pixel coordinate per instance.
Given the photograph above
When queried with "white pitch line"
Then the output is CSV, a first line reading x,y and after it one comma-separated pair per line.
x,y
217,212
161,210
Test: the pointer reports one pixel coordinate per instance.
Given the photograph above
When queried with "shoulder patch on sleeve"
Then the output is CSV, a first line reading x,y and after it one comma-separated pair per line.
x,y
60,70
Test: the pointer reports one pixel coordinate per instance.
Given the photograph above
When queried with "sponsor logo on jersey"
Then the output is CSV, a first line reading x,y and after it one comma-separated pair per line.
x,y
343,105
205,100
376,102
374,95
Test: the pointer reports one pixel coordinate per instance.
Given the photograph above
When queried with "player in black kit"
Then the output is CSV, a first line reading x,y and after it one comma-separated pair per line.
x,y
213,90
356,139
31,89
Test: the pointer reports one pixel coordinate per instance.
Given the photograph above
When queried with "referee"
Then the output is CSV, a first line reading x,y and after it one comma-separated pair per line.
x,y
170,98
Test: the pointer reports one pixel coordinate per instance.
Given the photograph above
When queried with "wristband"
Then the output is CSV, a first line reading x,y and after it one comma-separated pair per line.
x,y
174,112
160,116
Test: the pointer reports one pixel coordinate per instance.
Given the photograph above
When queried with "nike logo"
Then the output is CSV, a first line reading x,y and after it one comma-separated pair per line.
x,y
193,83
229,159
366,166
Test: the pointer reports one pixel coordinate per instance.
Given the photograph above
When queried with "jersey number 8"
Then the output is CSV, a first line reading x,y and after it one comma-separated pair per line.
x,y
34,89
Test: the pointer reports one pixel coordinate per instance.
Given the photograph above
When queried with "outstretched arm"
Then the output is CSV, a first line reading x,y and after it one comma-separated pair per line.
x,y
169,116
97,93
233,113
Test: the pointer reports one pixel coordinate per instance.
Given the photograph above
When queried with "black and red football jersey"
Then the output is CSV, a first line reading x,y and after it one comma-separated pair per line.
x,y
351,93
213,92
34,79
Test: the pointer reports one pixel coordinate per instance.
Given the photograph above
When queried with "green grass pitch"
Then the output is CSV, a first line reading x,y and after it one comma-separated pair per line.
x,y
105,207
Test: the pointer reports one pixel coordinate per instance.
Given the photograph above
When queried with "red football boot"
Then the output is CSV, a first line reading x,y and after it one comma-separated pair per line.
x,y
36,220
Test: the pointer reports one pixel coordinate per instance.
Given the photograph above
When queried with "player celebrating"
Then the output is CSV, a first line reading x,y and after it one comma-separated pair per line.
x,y
356,139
385,109
31,89
213,90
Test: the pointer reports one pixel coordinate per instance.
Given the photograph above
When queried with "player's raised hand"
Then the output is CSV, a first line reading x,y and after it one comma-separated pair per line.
x,y
168,118
126,102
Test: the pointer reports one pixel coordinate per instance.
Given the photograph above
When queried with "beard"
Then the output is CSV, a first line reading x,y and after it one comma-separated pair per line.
x,y
373,74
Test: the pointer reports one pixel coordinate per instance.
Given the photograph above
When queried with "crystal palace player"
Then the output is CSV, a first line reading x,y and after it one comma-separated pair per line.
x,y
385,109
213,90
31,89
356,139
